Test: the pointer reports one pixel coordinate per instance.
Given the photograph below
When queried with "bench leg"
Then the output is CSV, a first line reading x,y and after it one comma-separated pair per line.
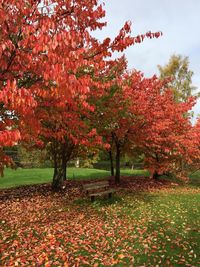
x,y
92,198
109,195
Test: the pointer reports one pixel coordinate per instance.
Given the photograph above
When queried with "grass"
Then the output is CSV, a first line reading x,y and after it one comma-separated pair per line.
x,y
155,228
13,178
163,227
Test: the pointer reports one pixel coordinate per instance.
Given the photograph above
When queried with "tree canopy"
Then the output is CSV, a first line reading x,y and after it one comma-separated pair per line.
x,y
180,75
62,89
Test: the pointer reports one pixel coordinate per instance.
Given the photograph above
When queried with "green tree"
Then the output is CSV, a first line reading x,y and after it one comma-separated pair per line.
x,y
31,157
177,69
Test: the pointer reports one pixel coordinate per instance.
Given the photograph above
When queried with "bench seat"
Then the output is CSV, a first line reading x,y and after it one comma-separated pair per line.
x,y
98,189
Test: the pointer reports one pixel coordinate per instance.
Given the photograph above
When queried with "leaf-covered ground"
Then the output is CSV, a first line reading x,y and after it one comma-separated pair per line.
x,y
145,224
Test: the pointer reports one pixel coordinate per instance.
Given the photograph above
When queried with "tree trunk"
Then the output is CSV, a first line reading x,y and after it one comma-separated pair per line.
x,y
156,176
55,166
64,166
111,163
58,180
58,176
117,174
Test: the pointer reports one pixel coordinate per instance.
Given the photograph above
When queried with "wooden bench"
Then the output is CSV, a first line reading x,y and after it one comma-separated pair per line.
x,y
98,189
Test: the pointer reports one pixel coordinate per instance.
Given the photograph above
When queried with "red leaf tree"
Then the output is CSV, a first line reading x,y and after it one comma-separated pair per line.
x,y
165,132
47,54
140,113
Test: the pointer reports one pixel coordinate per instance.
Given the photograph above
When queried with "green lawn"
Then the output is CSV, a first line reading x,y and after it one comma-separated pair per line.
x,y
13,178
157,228
18,177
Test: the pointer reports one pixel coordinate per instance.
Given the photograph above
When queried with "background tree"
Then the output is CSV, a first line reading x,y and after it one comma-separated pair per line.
x,y
120,114
177,70
31,157
142,113
164,136
191,160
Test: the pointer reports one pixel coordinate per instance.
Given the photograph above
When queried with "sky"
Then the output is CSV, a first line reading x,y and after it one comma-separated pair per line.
x,y
179,20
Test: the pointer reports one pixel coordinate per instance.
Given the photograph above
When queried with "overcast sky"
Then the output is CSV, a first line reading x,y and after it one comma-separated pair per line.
x,y
179,20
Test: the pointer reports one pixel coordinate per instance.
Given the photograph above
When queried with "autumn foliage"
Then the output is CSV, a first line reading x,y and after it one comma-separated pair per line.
x,y
55,77
141,114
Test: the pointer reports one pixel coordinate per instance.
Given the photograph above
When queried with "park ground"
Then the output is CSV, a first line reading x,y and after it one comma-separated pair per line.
x,y
146,223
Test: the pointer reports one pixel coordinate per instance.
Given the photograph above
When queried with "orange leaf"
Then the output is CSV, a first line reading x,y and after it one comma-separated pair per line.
x,y
121,256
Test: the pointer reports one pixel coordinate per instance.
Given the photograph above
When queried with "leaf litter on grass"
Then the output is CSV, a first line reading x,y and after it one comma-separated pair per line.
x,y
147,227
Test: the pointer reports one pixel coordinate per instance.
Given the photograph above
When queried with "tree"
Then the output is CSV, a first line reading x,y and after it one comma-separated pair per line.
x,y
165,132
191,160
177,70
142,115
13,104
36,51
120,114
65,132
103,119
30,156
47,51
